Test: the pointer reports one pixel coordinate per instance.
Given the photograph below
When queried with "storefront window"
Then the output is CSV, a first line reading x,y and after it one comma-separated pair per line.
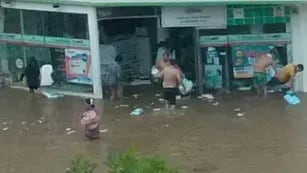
x,y
66,25
56,39
67,74
33,22
55,24
11,21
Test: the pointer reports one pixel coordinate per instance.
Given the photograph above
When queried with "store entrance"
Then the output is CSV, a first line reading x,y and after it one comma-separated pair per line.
x,y
182,42
134,40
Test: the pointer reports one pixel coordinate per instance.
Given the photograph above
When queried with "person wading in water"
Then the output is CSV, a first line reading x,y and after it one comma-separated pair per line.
x,y
32,74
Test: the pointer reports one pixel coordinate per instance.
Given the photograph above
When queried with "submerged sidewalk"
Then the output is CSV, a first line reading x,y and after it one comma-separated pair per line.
x,y
268,136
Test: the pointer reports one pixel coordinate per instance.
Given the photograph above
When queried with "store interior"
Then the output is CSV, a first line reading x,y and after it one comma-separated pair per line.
x,y
134,40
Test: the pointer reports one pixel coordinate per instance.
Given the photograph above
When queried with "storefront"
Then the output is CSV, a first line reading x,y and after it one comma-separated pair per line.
x,y
214,60
58,35
131,33
228,55
73,38
191,20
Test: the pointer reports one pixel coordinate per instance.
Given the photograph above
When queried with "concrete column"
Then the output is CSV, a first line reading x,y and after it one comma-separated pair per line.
x,y
296,47
94,47
299,41
303,36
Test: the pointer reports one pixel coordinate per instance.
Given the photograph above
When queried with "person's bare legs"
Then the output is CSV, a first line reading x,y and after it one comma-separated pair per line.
x,y
265,91
167,107
113,93
172,107
119,92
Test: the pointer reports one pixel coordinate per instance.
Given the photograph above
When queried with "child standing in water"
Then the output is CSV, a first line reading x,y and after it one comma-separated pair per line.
x,y
90,120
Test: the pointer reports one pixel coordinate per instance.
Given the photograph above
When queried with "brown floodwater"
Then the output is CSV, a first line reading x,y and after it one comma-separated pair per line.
x,y
271,136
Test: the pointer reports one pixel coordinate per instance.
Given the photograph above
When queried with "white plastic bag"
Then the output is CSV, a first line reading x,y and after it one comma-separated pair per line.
x,y
155,72
186,86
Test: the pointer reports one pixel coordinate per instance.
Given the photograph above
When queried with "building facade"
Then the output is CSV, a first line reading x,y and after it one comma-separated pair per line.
x,y
216,42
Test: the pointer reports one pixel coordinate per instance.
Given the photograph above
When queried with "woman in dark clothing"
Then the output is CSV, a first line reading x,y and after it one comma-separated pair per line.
x,y
32,74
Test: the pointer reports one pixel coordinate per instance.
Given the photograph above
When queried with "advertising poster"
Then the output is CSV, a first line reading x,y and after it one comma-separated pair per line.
x,y
244,58
213,76
78,66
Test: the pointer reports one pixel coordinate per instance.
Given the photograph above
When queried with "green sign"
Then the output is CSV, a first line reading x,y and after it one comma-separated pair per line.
x,y
282,37
44,41
10,37
33,39
213,40
79,42
57,41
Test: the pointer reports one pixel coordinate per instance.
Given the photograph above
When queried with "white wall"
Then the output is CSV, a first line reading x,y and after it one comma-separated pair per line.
x,y
299,45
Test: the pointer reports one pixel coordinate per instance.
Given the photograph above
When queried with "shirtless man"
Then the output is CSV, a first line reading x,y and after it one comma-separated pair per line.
x,y
172,78
260,76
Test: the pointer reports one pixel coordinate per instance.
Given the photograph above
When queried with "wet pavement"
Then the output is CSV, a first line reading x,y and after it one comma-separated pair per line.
x,y
269,135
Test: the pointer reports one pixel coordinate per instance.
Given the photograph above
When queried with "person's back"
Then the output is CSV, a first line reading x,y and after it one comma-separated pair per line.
x,y
264,61
171,77
114,73
286,73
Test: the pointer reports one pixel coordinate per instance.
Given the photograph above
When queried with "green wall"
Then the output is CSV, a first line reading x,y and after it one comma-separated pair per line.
x,y
256,14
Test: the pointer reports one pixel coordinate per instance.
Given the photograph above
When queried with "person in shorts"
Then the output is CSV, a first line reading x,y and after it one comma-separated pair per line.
x,y
114,78
286,76
172,78
260,76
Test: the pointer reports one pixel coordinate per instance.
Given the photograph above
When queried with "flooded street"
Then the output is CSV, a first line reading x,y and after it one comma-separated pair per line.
x,y
269,135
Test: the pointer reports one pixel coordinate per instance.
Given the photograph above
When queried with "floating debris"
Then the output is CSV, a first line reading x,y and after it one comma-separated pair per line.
x,y
240,114
206,96
245,88
152,103
121,106
161,100
178,97
137,112
135,96
271,91
23,123
216,104
157,95
42,120
166,125
184,107
68,129
103,130
5,129
124,106
156,109
71,132
237,109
